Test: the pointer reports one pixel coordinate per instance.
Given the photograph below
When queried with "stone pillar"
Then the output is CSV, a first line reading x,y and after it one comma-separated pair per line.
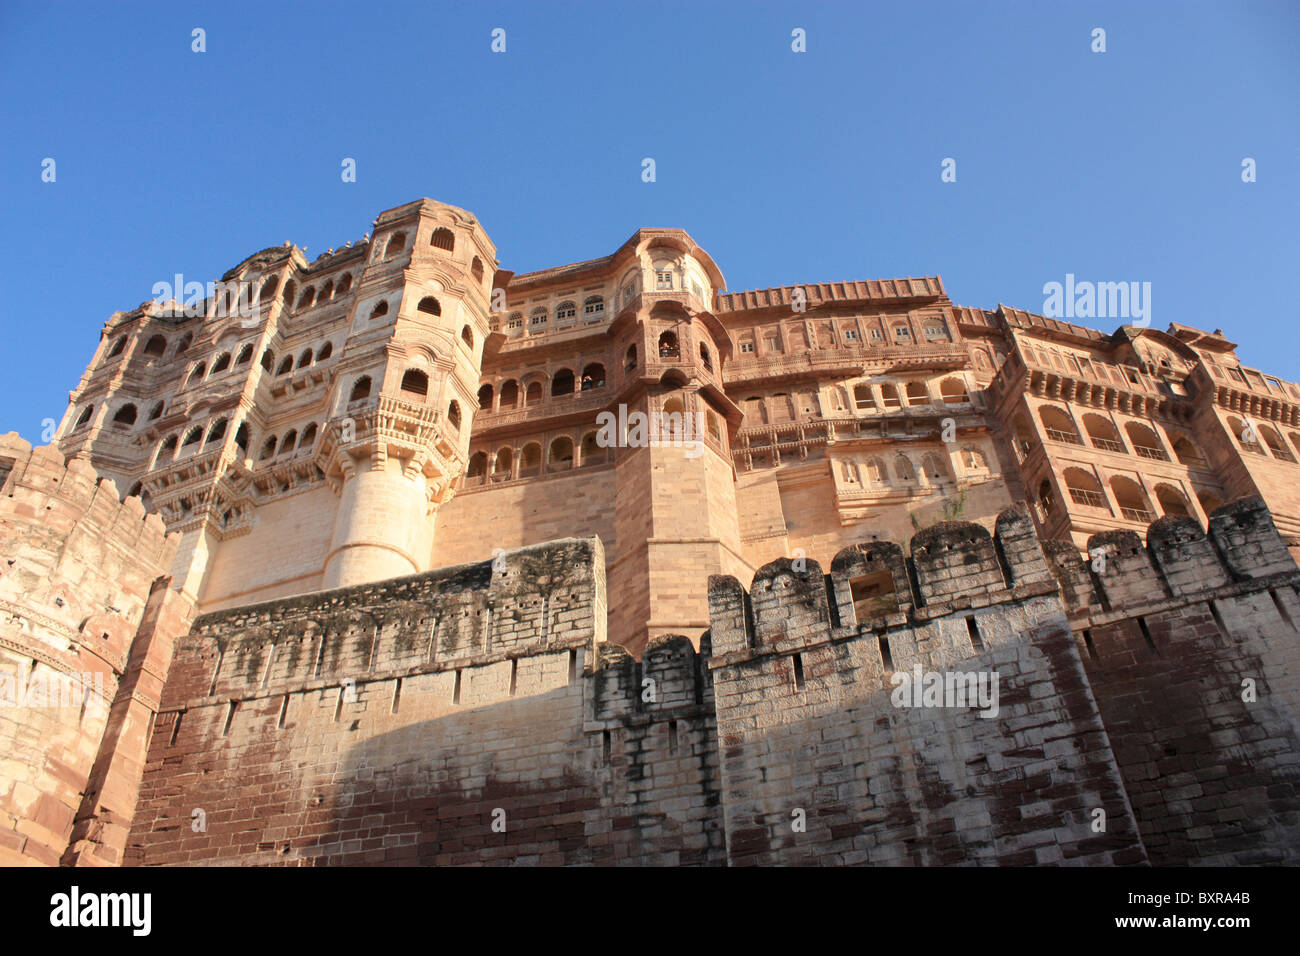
x,y
382,529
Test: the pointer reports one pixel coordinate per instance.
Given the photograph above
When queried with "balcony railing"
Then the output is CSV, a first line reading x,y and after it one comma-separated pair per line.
x,y
1138,514
1093,499
1109,444
1155,454
1069,438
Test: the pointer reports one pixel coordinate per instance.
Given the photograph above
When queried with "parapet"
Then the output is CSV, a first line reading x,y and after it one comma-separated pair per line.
x,y
955,565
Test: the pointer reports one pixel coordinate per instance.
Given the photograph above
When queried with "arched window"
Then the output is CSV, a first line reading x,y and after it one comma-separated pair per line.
x,y
566,312
308,436
287,295
782,408
125,415
593,453
1085,489
562,383
443,238
668,348
168,447
268,360
380,310
953,391
476,269
344,285
241,437
415,382
934,467
533,394
156,345
395,244
195,434
286,365
268,290
973,459
875,469
184,343
593,376
485,397
510,394
222,363
1132,500
117,347
1145,441
916,394
755,411
561,457
537,321
467,336
1172,501
1103,433
216,432
849,472
245,355
326,292
287,444
360,389
196,376
453,414
593,308
325,352
1187,452
307,298
268,449
889,395
903,467
429,306
156,411
981,360
1059,425
629,361
304,359
1046,499
863,400
1275,444
530,460
672,422
477,465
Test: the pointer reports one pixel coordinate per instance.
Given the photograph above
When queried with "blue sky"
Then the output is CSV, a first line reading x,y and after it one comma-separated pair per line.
x,y
787,167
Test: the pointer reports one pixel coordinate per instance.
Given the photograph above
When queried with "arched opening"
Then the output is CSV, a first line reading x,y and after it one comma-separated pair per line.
x,y
308,436
1275,443
889,395
530,460
1187,452
84,416
395,245
156,411
307,298
166,449
875,471
934,467
344,285
1172,501
194,436
325,352
1085,489
562,383
286,365
245,355
477,466
268,449
184,345
1209,501
117,347
379,311
156,346
1046,500
953,391
1144,441
705,358
1103,433
781,407
360,389
429,305
533,394
565,313
304,359
903,468
485,397
453,414
668,348
593,376
561,456
1132,500
672,422
241,437
1024,437
476,269
1058,425
216,432
863,400
467,336
196,376
510,394
415,382
849,472
268,360
287,445
290,290
444,239
268,290
125,415
592,452
629,361
593,308
755,411
326,292
973,459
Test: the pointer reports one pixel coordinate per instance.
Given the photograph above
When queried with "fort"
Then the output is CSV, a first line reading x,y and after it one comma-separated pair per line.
x,y
358,581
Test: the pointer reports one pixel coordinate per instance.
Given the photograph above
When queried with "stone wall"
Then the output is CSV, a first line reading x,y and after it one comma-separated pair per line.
x,y
86,631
